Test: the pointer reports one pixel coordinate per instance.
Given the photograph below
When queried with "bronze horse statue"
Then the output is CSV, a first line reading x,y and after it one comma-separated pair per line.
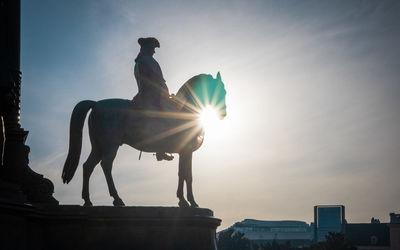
x,y
176,129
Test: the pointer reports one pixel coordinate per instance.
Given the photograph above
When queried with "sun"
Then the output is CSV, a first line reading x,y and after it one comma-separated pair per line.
x,y
209,117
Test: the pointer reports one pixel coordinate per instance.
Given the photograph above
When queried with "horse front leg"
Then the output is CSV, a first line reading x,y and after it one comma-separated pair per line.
x,y
182,175
189,180
185,175
106,164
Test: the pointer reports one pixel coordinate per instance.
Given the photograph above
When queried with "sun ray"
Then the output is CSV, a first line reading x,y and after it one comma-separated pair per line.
x,y
188,137
209,117
195,97
191,107
170,132
169,114
219,105
181,101
215,96
206,96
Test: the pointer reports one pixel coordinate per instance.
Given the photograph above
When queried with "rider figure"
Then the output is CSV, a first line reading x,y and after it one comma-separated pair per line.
x,y
153,92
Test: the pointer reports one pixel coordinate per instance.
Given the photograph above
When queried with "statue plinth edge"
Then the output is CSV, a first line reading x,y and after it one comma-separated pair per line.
x,y
77,227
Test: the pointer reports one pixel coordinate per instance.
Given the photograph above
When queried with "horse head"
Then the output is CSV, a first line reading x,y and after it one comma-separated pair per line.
x,y
203,91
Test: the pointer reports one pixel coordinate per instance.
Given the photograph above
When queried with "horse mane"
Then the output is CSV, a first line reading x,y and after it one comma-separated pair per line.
x,y
184,93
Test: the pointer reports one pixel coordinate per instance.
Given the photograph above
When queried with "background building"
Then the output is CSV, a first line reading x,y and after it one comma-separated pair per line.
x,y
394,226
375,235
298,233
328,218
368,236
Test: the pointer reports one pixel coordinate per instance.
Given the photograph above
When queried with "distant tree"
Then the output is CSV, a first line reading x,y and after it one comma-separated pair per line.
x,y
265,246
286,246
334,241
233,240
275,246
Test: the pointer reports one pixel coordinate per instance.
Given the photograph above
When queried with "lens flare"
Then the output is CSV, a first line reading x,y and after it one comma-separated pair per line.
x,y
209,117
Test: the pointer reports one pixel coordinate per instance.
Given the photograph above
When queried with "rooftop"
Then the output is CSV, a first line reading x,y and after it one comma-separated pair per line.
x,y
270,223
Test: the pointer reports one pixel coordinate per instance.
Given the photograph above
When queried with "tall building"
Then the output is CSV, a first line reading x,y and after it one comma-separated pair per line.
x,y
328,218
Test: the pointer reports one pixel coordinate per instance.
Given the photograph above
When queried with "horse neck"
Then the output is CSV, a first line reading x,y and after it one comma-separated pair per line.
x,y
186,98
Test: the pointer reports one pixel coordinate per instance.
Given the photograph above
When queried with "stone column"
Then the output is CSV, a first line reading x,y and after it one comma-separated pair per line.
x,y
16,176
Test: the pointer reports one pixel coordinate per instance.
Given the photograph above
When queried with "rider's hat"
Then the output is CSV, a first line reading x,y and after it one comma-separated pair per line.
x,y
149,41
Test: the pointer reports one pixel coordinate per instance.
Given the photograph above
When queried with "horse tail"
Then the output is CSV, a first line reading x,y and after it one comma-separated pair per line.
x,y
75,138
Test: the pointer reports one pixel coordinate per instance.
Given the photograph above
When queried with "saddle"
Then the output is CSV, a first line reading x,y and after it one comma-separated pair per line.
x,y
170,104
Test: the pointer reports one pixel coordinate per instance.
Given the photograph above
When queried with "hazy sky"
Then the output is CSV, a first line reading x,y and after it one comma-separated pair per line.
x,y
313,99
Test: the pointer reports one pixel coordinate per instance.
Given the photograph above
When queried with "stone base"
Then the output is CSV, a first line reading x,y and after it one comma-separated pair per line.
x,y
35,188
11,193
77,227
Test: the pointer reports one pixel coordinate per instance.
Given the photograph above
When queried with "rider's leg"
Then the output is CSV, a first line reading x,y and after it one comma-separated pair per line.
x,y
163,99
163,156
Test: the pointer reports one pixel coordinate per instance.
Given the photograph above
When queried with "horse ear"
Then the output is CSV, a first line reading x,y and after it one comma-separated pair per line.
x,y
219,76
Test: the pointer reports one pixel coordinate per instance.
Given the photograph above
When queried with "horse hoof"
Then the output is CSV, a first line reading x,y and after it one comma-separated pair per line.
x,y
118,203
193,204
88,204
183,203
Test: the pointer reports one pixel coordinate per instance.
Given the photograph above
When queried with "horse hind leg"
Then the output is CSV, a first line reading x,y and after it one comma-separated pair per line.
x,y
88,167
106,164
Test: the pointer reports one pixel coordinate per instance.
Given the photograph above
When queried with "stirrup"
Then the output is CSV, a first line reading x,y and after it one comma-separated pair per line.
x,y
164,156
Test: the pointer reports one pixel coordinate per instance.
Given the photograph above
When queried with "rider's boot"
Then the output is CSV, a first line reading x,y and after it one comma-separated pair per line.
x,y
163,156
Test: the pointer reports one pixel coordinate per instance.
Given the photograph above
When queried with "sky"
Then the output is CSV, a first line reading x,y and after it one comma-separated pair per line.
x,y
313,100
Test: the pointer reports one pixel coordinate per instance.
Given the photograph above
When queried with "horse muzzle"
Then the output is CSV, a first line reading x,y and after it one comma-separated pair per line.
x,y
222,114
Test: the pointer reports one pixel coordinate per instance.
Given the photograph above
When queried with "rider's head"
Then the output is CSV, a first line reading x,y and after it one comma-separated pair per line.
x,y
147,45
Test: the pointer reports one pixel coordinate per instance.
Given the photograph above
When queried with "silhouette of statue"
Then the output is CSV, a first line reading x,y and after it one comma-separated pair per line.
x,y
6,99
175,129
2,127
2,139
153,92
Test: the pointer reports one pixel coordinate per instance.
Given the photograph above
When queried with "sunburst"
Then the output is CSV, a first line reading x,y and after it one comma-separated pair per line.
x,y
208,117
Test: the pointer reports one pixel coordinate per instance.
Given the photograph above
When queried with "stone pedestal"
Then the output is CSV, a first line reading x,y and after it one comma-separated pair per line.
x,y
76,227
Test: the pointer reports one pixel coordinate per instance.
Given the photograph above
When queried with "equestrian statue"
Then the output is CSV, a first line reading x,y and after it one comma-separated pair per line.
x,y
154,121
